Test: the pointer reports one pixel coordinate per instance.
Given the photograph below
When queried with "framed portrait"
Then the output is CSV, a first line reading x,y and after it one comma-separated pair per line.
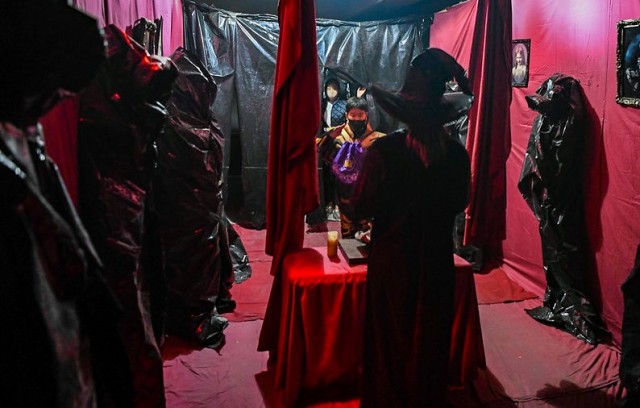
x,y
628,63
520,57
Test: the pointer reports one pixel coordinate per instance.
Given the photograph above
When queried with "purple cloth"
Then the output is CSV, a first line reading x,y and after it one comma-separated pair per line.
x,y
348,162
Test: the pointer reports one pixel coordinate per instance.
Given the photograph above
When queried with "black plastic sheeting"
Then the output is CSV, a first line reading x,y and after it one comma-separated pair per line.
x,y
551,183
239,257
188,200
121,114
240,51
630,362
457,130
59,319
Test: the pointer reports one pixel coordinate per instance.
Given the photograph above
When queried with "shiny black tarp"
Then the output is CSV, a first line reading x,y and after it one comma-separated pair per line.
x,y
630,362
551,183
188,201
458,129
59,319
121,114
240,51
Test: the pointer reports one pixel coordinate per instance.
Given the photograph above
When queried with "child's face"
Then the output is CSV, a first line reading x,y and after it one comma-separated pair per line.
x,y
356,114
332,91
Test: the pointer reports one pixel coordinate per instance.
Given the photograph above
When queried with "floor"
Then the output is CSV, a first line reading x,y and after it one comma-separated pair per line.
x,y
528,364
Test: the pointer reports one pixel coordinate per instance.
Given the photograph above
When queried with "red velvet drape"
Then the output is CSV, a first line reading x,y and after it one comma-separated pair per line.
x,y
489,137
452,31
292,184
60,127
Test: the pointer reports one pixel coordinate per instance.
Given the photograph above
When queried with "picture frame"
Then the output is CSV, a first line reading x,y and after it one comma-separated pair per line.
x,y
520,58
628,63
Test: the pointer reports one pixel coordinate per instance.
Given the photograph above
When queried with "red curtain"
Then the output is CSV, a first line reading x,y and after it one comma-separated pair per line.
x,y
452,31
489,137
60,127
292,184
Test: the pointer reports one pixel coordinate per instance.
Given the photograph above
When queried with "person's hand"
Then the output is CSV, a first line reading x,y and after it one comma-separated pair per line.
x,y
361,91
337,130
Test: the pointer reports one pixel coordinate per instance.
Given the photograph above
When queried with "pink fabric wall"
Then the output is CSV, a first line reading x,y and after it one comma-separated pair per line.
x,y
577,38
452,31
123,13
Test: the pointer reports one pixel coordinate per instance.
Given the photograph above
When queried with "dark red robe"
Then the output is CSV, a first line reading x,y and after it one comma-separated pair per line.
x,y
410,283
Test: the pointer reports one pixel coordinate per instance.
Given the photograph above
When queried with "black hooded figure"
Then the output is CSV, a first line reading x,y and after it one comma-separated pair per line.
x,y
59,319
122,112
412,184
550,182
188,201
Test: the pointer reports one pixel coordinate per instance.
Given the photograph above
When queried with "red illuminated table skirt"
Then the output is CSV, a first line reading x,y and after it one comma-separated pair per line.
x,y
322,323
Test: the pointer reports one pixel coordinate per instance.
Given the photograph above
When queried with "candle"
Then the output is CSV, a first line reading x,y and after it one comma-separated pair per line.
x,y
332,243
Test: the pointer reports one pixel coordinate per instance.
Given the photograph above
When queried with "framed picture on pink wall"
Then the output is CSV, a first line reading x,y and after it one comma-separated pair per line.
x,y
628,63
520,56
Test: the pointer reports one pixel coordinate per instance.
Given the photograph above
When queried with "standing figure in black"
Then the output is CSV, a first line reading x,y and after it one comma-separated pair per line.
x,y
413,183
550,182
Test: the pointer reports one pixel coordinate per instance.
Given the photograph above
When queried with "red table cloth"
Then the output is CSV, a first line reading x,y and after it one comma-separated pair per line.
x,y
322,323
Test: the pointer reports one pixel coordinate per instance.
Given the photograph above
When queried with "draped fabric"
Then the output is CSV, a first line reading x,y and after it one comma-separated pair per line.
x,y
410,280
461,20
489,140
64,118
187,188
61,133
59,319
551,184
122,113
325,310
292,185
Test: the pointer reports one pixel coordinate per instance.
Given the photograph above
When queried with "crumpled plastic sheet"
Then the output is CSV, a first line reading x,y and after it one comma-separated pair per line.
x,y
630,362
240,52
199,267
457,130
121,114
54,300
239,257
550,182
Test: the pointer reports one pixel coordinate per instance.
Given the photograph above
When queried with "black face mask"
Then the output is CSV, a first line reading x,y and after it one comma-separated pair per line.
x,y
358,127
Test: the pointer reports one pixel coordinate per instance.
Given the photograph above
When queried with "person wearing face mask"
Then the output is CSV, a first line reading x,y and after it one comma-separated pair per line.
x,y
333,107
333,115
356,136
357,128
374,117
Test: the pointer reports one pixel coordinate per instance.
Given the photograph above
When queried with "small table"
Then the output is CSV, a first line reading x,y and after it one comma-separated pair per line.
x,y
322,323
